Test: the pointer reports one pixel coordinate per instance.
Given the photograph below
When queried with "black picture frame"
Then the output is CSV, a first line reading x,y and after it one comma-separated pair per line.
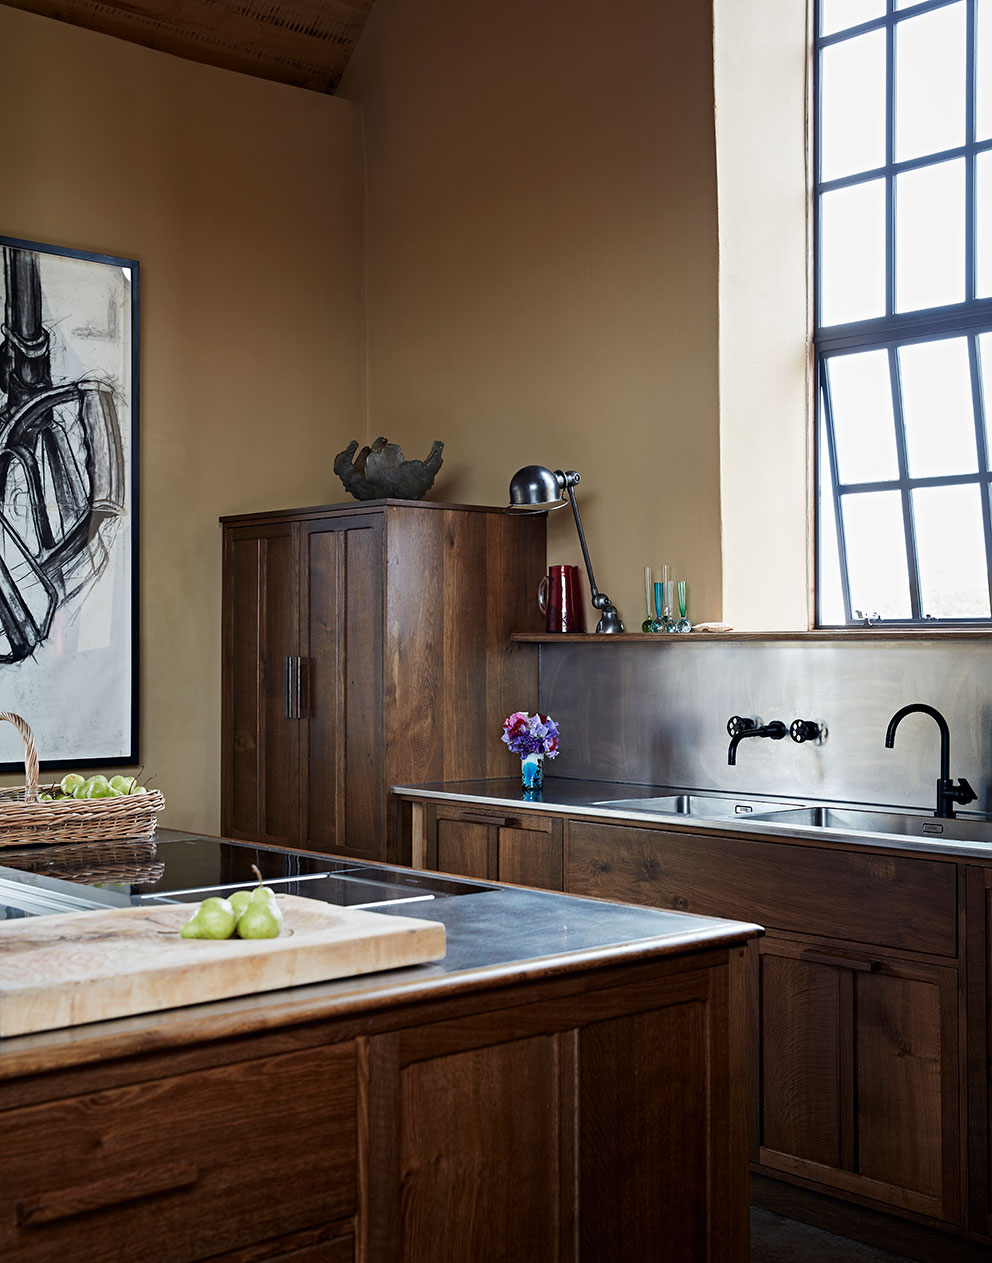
x,y
69,498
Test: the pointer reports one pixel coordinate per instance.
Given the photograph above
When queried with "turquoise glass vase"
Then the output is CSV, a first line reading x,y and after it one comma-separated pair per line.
x,y
532,771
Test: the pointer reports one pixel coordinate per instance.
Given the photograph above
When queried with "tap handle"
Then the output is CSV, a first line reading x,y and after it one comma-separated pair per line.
x,y
962,793
738,724
804,730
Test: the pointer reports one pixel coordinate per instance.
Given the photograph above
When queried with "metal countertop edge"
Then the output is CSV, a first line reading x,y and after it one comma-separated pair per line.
x,y
700,824
148,1033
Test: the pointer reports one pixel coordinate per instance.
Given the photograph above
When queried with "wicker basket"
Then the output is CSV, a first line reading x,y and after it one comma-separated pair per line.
x,y
24,821
91,863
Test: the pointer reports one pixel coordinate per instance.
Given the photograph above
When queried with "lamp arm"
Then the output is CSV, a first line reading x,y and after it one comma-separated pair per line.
x,y
593,590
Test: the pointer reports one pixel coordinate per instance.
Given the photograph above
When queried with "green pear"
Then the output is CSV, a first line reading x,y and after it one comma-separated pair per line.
x,y
215,918
123,783
240,900
263,894
261,919
71,782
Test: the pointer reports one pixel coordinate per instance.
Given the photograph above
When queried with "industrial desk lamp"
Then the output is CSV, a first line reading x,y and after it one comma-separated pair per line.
x,y
535,489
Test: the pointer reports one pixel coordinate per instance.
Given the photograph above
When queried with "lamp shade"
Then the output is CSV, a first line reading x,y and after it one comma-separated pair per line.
x,y
535,489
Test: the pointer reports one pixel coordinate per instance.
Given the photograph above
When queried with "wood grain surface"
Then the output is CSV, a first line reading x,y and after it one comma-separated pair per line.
x,y
73,968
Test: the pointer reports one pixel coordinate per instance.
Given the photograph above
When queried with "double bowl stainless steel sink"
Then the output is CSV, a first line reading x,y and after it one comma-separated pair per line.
x,y
706,807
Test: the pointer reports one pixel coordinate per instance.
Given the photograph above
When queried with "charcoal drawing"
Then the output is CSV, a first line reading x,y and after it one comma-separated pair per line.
x,y
67,418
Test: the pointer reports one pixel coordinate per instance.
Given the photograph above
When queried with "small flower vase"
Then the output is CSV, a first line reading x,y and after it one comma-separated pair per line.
x,y
532,771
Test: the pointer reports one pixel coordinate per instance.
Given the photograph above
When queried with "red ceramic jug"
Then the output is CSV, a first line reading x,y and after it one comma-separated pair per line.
x,y
561,600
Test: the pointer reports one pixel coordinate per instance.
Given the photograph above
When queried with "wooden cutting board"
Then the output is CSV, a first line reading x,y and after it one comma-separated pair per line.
x,y
77,967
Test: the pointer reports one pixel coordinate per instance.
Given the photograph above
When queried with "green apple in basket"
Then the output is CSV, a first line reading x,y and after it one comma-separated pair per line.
x,y
94,787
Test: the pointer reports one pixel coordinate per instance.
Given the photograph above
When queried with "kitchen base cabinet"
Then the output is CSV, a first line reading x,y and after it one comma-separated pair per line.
x,y
855,1067
364,645
857,1059
597,1112
596,1126
979,955
524,849
194,1163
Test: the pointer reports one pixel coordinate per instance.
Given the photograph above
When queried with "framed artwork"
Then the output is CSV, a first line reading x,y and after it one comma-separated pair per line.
x,y
68,504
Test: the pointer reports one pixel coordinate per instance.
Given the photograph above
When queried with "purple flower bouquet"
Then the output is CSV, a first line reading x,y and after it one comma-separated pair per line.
x,y
532,737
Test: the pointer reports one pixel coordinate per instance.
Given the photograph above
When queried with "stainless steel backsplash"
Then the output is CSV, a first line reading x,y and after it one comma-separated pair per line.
x,y
646,714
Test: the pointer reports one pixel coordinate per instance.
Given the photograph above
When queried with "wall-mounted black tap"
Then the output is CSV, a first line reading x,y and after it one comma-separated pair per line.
x,y
948,792
738,727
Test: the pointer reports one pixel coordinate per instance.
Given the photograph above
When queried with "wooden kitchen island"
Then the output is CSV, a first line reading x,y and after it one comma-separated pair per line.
x,y
568,1083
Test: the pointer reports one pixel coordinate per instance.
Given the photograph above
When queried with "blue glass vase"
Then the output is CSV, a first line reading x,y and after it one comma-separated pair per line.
x,y
532,771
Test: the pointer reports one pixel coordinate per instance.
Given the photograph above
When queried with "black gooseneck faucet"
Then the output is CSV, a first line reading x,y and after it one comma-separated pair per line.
x,y
948,792
738,727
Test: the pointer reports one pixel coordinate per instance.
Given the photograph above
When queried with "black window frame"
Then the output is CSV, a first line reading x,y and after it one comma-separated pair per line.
x,y
967,319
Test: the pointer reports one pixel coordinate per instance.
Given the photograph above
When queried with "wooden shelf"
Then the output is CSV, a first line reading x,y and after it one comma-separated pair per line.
x,y
838,635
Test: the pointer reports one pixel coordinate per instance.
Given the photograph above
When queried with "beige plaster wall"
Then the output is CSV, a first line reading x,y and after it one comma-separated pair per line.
x,y
542,265
760,70
242,202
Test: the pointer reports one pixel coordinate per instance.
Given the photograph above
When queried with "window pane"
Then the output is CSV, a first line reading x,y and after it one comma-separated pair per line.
x,y
852,253
930,236
852,106
985,368
950,545
876,553
983,221
937,408
861,407
838,15
830,592
929,79
983,118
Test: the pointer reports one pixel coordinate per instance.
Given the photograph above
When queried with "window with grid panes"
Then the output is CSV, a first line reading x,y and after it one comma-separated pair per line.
x,y
903,290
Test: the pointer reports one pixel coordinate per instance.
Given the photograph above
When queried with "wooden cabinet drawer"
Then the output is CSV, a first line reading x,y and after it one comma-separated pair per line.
x,y
481,842
861,896
185,1167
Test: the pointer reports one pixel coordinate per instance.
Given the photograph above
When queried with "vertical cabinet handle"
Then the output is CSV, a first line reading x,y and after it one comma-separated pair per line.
x,y
299,688
288,674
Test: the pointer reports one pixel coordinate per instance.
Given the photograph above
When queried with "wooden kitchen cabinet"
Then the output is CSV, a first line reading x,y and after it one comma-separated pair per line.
x,y
979,956
544,1109
522,848
365,645
855,1042
857,1067
181,1166
518,1119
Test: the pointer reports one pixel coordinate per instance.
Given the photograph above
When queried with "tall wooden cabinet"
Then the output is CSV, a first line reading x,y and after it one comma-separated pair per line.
x,y
364,645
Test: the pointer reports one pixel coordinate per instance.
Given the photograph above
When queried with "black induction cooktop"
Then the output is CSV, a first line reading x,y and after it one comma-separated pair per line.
x,y
186,869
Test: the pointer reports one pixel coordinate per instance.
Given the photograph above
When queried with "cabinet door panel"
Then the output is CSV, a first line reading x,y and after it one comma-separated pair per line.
x,y
532,856
858,1065
898,1068
479,1148
341,699
260,799
660,1148
801,1088
464,848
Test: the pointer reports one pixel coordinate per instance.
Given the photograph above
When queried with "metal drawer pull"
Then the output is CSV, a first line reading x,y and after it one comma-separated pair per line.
x,y
842,962
288,670
501,822
67,1202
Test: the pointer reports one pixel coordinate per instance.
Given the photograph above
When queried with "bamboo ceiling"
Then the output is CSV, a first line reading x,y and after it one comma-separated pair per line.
x,y
305,43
